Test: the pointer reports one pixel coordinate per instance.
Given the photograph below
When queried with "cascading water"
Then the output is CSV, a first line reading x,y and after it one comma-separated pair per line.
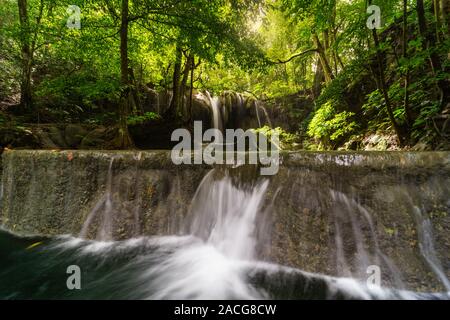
x,y
269,122
427,247
158,104
358,216
257,114
234,110
105,205
225,216
216,253
207,263
215,106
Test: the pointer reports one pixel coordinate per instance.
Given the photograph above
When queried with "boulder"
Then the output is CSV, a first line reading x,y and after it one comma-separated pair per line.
x,y
74,134
94,139
44,140
201,111
56,135
17,137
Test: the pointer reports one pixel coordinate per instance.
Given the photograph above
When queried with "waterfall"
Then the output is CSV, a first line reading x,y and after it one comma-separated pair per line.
x,y
426,245
106,204
224,215
267,116
228,108
224,233
215,104
220,238
158,107
354,211
215,260
215,107
257,114
241,102
110,206
138,201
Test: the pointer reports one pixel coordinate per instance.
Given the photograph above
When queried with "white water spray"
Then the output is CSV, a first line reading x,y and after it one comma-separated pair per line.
x,y
105,231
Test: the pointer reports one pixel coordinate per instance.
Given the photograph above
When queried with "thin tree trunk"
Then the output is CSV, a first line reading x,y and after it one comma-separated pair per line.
x,y
124,76
445,16
421,17
25,83
135,101
405,55
318,79
435,61
186,72
383,86
191,93
340,61
335,63
124,140
175,103
333,39
437,17
384,89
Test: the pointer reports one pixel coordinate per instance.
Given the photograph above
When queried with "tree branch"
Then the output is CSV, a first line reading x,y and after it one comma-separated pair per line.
x,y
295,56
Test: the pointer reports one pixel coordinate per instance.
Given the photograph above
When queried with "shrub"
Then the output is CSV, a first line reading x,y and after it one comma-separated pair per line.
x,y
329,127
287,140
141,119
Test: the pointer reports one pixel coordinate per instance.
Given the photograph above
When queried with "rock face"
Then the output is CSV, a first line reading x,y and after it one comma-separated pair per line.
x,y
332,213
71,136
74,134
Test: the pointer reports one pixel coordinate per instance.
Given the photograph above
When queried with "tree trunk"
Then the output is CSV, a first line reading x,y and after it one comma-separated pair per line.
x,y
437,17
383,86
421,17
124,140
135,102
175,103
183,86
318,79
340,61
333,39
191,93
124,76
323,59
445,16
435,61
25,82
409,120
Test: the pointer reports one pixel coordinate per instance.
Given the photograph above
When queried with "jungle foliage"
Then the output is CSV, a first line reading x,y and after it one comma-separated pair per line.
x,y
392,79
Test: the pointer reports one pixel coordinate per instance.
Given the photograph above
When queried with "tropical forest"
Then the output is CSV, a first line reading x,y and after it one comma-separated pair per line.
x,y
225,150
326,74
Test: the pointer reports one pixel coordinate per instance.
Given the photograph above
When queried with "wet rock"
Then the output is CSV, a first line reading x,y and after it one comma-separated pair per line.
x,y
201,111
95,139
18,137
150,100
421,146
74,134
57,136
44,140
